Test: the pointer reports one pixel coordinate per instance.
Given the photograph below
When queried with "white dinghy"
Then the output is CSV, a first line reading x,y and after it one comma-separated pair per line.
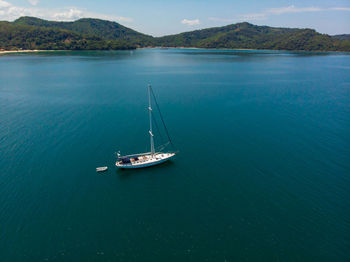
x,y
101,169
151,158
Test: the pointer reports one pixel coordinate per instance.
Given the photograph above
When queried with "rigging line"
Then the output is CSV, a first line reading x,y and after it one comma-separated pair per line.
x,y
157,127
160,148
161,117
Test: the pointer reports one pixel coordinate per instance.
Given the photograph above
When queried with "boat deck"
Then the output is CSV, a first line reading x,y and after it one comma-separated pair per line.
x,y
145,160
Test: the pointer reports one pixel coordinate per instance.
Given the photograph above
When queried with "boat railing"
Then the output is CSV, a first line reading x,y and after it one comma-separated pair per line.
x,y
135,155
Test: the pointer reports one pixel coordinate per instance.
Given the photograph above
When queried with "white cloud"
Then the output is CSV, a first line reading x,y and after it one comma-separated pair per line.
x,y
253,16
11,12
276,11
33,2
107,17
190,22
71,14
291,9
218,19
340,8
4,4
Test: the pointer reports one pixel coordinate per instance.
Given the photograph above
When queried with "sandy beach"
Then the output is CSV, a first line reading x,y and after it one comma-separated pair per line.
x,y
24,51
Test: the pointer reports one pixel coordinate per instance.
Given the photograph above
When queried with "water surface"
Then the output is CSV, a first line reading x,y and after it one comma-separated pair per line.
x,y
262,173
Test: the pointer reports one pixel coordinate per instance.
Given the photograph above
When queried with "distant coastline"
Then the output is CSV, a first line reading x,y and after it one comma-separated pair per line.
x,y
248,49
3,52
238,49
27,51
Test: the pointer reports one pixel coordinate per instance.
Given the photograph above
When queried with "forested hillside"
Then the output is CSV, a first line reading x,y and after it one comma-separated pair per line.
x,y
97,34
105,29
17,36
245,35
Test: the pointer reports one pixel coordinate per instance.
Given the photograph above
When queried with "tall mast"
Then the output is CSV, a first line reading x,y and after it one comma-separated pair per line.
x,y
150,119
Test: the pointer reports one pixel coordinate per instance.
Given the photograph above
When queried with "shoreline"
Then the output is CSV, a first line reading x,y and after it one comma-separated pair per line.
x,y
239,49
28,51
164,48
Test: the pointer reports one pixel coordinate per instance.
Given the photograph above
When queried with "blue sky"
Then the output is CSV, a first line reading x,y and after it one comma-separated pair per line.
x,y
158,17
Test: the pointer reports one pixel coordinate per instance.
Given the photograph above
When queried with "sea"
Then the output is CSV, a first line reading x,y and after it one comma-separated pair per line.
x,y
262,171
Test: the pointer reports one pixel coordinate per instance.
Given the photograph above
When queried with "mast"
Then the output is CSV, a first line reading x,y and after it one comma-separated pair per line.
x,y
150,119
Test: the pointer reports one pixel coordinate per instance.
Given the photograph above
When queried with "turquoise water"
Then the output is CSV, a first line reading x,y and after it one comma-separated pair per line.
x,y
262,174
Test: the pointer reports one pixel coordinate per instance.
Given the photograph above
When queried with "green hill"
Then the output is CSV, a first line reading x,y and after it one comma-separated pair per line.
x,y
245,35
96,34
105,29
342,37
20,36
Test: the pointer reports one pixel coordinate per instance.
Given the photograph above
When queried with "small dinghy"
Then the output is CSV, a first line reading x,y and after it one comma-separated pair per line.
x,y
101,169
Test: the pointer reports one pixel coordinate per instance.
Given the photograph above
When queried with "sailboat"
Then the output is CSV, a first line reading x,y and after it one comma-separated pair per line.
x,y
150,158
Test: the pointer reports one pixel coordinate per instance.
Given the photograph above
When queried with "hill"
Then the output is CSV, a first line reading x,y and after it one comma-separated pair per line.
x,y
104,29
20,36
96,34
342,37
246,35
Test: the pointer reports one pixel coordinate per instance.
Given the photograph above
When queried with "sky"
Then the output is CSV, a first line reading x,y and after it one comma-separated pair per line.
x,y
163,17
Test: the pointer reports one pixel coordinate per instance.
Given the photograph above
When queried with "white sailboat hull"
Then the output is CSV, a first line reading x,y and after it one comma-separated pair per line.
x,y
145,160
